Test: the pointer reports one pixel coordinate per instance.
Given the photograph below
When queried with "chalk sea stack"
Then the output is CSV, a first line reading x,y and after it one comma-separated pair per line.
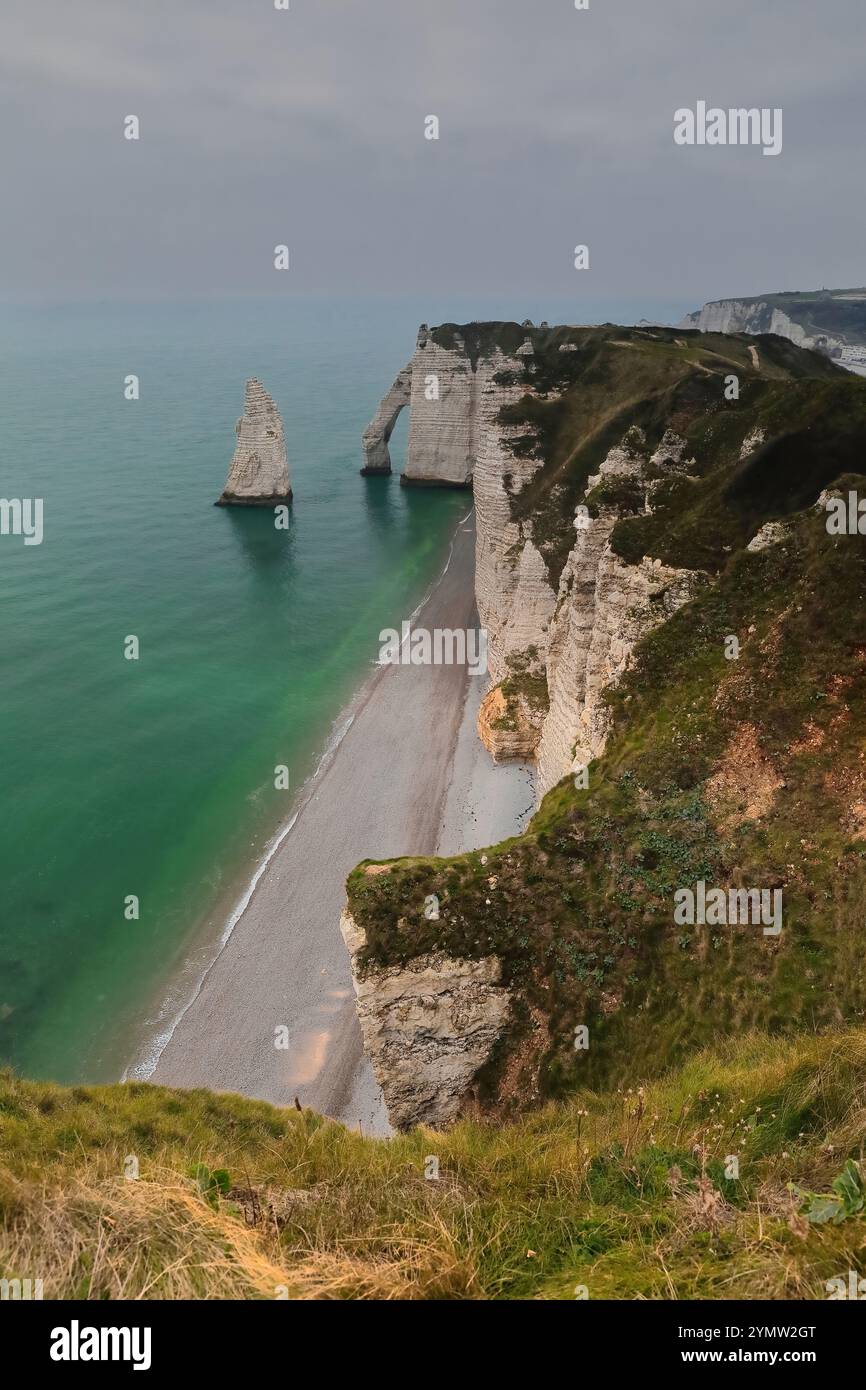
x,y
259,471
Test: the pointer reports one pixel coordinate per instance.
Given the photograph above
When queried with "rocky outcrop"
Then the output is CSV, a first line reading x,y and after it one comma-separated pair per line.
x,y
259,472
771,533
427,1027
510,724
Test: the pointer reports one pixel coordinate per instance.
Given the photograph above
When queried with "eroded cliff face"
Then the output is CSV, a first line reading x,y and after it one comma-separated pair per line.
x,y
579,634
427,1028
259,472
515,599
604,607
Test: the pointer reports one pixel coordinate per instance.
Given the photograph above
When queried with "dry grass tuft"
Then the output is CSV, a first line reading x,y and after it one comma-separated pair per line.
x,y
625,1192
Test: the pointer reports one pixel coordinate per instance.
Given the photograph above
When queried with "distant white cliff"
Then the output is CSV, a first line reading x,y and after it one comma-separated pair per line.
x,y
829,321
748,316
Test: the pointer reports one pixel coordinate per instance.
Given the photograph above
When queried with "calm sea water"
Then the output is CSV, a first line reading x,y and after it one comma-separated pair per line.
x,y
156,777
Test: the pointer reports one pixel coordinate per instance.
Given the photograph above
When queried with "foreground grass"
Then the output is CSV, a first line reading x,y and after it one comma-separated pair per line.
x,y
622,1194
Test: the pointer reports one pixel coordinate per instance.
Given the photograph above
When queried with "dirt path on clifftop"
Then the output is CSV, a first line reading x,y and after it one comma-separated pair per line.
x,y
381,795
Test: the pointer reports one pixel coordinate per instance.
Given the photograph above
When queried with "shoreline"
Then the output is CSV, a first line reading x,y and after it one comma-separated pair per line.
x,y
401,775
176,996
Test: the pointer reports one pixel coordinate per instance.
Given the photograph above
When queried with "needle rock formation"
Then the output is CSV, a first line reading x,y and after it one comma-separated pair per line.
x,y
259,471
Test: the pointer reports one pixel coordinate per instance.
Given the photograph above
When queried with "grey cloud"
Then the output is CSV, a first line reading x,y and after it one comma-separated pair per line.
x,y
556,127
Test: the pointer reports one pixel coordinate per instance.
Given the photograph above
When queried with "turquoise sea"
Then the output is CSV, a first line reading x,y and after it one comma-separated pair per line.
x,y
155,777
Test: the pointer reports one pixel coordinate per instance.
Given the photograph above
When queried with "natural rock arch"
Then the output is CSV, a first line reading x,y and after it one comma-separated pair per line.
x,y
377,459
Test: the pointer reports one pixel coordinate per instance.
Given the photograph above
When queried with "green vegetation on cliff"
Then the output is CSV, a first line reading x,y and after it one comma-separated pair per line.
x,y
659,379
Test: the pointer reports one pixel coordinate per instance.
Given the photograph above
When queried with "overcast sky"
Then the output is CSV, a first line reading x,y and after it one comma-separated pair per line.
x,y
261,127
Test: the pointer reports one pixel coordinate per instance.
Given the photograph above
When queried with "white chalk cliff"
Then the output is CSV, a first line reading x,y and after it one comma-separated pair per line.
x,y
442,387
585,629
429,1026
750,316
259,472
580,631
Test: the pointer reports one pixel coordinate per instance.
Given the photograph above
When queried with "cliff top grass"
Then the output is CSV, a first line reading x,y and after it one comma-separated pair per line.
x,y
580,404
813,433
615,1196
